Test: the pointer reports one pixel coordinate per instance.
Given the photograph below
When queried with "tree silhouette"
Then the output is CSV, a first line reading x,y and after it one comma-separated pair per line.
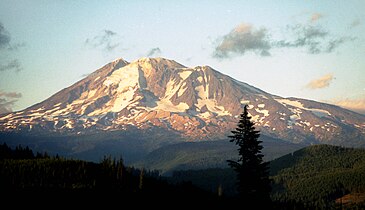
x,y
253,183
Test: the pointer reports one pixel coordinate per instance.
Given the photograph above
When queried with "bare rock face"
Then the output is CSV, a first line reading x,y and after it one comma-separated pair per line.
x,y
198,103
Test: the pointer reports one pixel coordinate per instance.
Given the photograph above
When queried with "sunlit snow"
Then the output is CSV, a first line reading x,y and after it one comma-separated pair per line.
x,y
185,74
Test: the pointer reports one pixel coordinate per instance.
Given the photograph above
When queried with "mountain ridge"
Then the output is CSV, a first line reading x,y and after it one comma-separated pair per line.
x,y
197,103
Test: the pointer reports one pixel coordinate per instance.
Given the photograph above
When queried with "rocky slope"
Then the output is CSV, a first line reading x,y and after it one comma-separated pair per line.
x,y
194,103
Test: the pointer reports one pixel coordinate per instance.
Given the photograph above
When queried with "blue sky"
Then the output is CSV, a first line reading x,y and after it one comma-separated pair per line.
x,y
307,49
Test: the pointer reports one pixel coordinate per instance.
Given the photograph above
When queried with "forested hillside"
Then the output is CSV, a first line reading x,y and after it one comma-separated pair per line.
x,y
318,175
23,173
314,177
321,176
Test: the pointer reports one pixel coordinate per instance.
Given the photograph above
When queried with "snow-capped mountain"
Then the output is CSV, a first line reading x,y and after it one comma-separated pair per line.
x,y
193,103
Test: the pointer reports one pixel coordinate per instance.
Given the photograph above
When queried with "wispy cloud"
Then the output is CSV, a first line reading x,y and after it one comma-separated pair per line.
x,y
106,40
10,94
321,82
243,38
307,36
355,23
357,105
188,59
5,40
5,47
16,46
4,37
6,106
154,51
315,17
314,39
333,44
7,101
11,65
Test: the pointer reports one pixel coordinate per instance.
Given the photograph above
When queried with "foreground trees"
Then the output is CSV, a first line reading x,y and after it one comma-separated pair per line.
x,y
253,183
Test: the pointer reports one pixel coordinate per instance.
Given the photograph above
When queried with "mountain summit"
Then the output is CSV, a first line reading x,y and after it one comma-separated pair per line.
x,y
192,103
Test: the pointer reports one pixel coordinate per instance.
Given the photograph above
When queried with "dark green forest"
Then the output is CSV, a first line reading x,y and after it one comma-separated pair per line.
x,y
23,173
321,176
318,175
314,177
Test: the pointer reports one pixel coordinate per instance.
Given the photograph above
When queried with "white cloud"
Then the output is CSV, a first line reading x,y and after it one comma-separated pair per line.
x,y
321,82
243,38
357,105
7,101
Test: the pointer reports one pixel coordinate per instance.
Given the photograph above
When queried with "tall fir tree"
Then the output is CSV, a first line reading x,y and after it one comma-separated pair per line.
x,y
253,183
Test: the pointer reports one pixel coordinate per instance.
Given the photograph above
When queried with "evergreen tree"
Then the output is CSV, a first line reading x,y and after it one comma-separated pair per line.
x,y
253,183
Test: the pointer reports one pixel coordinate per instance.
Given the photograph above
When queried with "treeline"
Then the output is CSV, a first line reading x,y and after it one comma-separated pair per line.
x,y
311,178
22,172
19,153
